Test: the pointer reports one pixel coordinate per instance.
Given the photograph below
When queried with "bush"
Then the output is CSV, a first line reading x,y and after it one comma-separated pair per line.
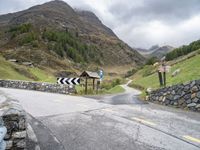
x,y
108,85
35,44
130,73
148,70
66,43
27,38
186,49
16,30
152,60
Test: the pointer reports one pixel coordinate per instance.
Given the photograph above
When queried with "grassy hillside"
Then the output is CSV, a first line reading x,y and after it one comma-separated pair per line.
x,y
8,71
147,77
13,71
184,50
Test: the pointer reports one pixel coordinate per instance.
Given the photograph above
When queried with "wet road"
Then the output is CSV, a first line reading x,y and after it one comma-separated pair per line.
x,y
107,122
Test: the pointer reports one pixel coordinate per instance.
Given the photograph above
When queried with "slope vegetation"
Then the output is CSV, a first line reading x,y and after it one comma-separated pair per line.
x,y
55,36
189,66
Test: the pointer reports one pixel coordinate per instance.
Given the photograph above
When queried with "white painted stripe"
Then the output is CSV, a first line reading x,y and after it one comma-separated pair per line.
x,y
76,81
70,81
64,81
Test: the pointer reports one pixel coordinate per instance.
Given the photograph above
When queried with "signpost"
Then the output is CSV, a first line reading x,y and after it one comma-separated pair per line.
x,y
163,68
101,74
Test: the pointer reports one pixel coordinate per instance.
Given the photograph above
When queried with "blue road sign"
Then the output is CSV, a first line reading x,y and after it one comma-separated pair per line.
x,y
101,74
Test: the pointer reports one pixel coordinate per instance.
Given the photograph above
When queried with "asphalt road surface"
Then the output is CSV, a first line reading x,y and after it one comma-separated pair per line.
x,y
118,122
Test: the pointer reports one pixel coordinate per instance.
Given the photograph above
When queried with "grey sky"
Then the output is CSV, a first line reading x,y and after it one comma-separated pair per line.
x,y
140,23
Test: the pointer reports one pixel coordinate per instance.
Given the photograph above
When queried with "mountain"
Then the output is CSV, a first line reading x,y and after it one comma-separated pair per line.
x,y
54,35
155,51
161,51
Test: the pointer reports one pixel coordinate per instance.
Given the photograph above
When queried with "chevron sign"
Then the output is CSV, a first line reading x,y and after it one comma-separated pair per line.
x,y
69,81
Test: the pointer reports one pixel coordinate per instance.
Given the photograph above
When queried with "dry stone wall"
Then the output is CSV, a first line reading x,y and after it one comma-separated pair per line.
x,y
38,86
13,118
185,95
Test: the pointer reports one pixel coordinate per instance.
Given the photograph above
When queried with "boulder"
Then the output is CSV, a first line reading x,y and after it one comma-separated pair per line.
x,y
195,100
191,105
198,106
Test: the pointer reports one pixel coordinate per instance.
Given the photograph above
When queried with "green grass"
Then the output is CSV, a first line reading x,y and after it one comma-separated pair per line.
x,y
7,71
12,71
116,89
190,70
42,75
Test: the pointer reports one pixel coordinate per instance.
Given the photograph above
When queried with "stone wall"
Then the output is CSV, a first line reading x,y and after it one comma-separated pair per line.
x,y
14,119
38,86
185,96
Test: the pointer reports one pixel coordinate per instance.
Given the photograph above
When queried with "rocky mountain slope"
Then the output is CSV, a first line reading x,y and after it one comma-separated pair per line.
x,y
155,51
53,35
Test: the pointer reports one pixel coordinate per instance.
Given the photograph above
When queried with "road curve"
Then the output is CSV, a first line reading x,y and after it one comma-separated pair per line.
x,y
108,122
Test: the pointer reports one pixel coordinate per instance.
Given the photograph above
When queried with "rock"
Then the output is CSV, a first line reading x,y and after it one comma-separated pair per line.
x,y
167,102
176,97
186,88
9,144
194,89
164,98
160,99
181,101
19,135
192,84
147,98
21,144
175,103
182,93
193,95
197,106
170,97
22,124
173,92
188,96
188,101
191,105
195,100
198,94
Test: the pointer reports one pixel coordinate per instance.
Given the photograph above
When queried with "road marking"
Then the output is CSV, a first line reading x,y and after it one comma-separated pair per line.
x,y
144,121
191,138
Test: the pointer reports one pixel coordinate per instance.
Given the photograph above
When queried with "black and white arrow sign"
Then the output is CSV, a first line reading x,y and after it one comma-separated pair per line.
x,y
69,81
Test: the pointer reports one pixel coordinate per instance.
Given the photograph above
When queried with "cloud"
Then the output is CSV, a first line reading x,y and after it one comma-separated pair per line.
x,y
140,23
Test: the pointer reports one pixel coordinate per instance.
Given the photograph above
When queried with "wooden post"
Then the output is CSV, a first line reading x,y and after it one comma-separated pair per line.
x,y
98,83
93,83
86,85
164,79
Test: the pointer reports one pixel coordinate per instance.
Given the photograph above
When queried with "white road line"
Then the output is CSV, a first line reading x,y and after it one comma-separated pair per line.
x,y
191,138
144,121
